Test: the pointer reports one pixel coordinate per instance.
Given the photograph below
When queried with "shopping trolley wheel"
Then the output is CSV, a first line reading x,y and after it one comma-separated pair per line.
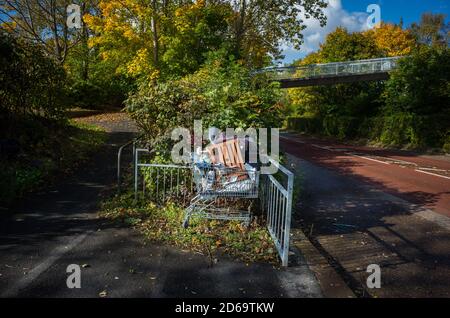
x,y
186,223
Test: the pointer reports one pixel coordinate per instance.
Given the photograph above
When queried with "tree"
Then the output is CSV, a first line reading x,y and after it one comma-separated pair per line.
x,y
42,22
342,45
391,40
123,36
149,38
432,30
32,83
259,26
192,32
406,92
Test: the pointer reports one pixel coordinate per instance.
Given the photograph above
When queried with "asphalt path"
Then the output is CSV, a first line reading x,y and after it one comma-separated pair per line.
x,y
50,230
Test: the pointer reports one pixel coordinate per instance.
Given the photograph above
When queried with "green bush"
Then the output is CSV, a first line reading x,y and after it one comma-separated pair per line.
x,y
414,130
85,95
417,98
32,83
421,83
446,146
340,126
46,148
222,93
99,94
306,124
159,108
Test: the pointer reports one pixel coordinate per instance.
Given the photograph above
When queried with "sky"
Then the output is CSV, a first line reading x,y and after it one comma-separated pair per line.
x,y
353,15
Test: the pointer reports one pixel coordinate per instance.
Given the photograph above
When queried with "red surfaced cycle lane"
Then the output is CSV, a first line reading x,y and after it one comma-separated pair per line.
x,y
416,179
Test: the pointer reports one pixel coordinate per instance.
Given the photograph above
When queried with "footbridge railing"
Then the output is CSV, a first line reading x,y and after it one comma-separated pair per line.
x,y
332,70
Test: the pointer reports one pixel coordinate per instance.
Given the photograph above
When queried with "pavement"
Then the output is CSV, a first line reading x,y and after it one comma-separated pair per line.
x,y
50,230
360,206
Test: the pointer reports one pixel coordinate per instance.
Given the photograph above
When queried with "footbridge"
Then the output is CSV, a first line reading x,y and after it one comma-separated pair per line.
x,y
332,73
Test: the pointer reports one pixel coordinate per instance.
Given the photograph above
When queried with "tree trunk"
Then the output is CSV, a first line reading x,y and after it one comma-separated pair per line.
x,y
155,34
84,40
240,24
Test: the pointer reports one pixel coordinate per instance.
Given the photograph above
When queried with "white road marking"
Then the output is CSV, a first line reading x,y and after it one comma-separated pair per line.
x,y
322,147
432,174
367,158
56,254
434,169
398,161
375,160
295,140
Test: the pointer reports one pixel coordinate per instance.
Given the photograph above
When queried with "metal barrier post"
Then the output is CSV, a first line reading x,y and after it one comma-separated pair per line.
x,y
136,161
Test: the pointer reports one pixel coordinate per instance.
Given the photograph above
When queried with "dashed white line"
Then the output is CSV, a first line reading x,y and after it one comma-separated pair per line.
x,y
367,158
432,174
322,147
371,159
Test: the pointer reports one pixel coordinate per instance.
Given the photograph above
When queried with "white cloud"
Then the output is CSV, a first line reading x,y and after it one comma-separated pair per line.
x,y
314,34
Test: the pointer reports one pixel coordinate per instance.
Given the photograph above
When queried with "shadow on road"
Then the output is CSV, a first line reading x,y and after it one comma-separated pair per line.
x,y
353,223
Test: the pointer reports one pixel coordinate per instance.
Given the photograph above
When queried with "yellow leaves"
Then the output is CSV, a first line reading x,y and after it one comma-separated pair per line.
x,y
155,74
139,63
199,4
9,26
104,55
391,39
178,12
129,33
122,36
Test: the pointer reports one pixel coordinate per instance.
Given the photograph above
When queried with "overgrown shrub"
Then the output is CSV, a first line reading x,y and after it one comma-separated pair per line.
x,y
306,124
417,98
340,126
99,92
159,108
31,82
223,94
421,83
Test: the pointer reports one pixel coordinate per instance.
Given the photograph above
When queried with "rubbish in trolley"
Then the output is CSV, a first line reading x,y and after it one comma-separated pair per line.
x,y
220,174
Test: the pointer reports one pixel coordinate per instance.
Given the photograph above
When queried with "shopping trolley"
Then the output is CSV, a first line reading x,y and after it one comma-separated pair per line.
x,y
220,184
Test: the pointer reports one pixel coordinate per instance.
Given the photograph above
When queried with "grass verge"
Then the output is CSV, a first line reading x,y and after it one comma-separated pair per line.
x,y
43,151
208,237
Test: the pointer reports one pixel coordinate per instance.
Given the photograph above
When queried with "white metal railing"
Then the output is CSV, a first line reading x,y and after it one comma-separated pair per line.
x,y
133,143
160,182
370,66
276,203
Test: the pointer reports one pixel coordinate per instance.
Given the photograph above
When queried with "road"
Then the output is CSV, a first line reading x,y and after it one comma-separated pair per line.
x,y
57,227
361,206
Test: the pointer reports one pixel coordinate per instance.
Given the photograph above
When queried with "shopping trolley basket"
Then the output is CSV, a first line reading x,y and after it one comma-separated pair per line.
x,y
216,182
